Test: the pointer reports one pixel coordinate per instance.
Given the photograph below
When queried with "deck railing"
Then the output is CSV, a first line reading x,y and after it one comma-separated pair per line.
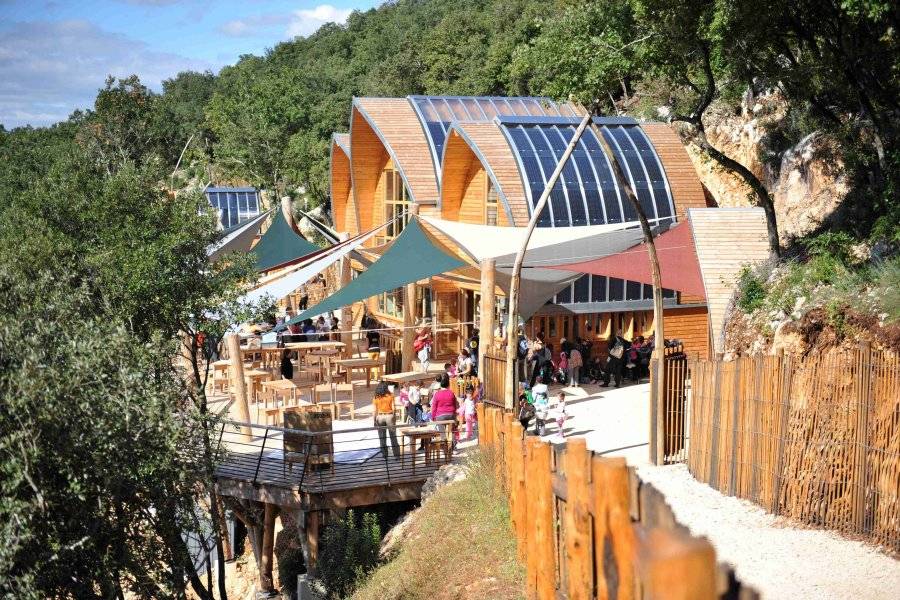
x,y
323,461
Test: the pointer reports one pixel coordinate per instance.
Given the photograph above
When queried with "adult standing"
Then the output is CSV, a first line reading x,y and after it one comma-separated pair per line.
x,y
472,347
383,408
287,367
616,348
575,365
422,347
540,356
522,347
444,405
373,342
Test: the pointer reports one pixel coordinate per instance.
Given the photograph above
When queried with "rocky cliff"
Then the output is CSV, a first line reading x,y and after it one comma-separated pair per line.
x,y
806,180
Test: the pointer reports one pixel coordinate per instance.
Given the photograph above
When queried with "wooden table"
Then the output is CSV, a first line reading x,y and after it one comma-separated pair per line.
x,y
220,365
255,377
361,363
315,345
280,386
416,434
269,355
411,376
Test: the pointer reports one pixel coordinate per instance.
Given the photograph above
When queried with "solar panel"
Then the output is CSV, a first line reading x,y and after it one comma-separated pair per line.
x,y
234,205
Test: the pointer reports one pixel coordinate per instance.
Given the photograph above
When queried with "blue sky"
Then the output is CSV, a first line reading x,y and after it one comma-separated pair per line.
x,y
55,55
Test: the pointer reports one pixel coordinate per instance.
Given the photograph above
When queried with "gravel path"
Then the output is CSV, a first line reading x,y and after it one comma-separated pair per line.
x,y
774,555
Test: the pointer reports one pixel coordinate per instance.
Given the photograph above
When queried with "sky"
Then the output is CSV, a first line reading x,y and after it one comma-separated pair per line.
x,y
55,55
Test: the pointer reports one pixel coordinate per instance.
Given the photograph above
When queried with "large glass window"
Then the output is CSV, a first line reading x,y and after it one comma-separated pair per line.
x,y
396,204
391,303
490,203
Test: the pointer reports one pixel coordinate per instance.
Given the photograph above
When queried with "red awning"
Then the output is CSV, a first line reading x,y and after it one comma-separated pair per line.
x,y
678,263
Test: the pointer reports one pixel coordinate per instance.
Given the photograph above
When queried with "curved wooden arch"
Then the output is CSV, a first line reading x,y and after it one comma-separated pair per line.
x,y
343,208
474,148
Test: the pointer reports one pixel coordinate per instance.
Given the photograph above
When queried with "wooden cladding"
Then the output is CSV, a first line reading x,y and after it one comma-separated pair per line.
x,y
342,205
687,191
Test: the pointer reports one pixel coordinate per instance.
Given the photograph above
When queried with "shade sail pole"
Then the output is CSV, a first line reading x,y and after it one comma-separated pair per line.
x,y
512,328
658,431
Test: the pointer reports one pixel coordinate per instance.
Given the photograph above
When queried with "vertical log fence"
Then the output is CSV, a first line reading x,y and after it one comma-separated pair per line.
x,y
815,439
587,528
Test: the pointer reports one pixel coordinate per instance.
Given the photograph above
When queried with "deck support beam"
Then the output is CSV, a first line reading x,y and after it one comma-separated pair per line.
x,y
409,315
266,581
311,545
346,324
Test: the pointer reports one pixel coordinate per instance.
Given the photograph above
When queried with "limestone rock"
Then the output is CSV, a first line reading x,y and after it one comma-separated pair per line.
x,y
789,339
443,476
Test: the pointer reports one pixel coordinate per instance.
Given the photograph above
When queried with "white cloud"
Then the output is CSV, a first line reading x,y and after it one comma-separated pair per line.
x,y
254,25
307,21
49,69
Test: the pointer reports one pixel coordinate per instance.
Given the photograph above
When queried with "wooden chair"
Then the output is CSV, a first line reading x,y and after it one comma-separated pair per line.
x,y
435,446
346,388
326,390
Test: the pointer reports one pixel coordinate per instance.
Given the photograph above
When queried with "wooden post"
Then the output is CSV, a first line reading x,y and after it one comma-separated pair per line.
x,y
542,520
580,566
266,582
312,542
238,385
864,403
486,326
409,315
677,567
287,210
614,542
346,317
527,541
515,280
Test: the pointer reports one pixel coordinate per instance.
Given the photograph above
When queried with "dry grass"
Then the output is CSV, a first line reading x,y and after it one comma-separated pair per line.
x,y
460,545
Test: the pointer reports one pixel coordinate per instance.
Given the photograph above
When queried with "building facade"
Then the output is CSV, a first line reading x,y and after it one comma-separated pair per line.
x,y
486,160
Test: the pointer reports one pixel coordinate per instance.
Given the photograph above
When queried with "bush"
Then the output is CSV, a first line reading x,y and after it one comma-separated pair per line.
x,y
887,285
751,290
348,552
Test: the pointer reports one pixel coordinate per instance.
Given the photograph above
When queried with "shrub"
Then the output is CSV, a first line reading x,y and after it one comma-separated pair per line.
x,y
887,284
751,290
348,552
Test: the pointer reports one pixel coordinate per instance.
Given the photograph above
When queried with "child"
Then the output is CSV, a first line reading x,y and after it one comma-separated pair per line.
x,y
562,369
541,406
468,411
526,412
561,415
422,346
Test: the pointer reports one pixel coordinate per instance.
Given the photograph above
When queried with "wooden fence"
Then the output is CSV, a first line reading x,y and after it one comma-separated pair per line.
x,y
587,527
816,440
674,414
493,375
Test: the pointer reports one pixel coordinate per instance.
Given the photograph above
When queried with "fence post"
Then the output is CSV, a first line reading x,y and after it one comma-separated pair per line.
x,y
864,402
785,367
479,415
677,566
614,543
528,540
516,491
577,520
542,521
657,428
735,427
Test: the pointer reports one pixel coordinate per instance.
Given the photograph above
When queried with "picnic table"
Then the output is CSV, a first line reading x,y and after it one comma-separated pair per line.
x,y
326,354
412,376
350,364
254,378
282,386
415,435
322,345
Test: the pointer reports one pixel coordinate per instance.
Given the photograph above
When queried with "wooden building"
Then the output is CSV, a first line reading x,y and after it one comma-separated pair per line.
x,y
485,160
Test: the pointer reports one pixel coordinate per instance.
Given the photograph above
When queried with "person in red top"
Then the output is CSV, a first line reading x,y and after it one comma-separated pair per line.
x,y
444,404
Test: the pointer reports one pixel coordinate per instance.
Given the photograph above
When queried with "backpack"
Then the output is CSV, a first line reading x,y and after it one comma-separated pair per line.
x,y
522,351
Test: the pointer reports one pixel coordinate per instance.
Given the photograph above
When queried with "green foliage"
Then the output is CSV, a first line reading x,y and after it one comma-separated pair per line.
x,y
348,552
887,288
751,290
290,565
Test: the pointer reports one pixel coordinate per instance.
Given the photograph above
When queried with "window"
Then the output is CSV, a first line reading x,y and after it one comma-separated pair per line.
x,y
423,301
490,203
391,303
396,204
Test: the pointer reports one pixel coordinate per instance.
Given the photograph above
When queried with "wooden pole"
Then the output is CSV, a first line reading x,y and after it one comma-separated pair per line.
x,y
864,402
486,326
409,315
238,385
312,542
513,310
266,582
677,567
658,431
346,312
577,519
287,209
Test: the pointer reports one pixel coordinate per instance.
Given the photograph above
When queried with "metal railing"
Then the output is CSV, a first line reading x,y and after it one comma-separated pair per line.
x,y
333,460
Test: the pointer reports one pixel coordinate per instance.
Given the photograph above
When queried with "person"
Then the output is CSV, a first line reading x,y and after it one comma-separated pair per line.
x,y
585,347
304,299
309,331
436,384
539,356
525,412
295,330
414,408
472,347
444,405
287,367
422,347
565,346
522,347
644,355
634,362
595,371
373,341
322,329
468,411
561,415
575,364
562,370
465,366
539,393
384,418
403,398
616,347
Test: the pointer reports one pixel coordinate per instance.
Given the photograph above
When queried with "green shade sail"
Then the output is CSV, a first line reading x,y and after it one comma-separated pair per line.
x,y
412,256
280,245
